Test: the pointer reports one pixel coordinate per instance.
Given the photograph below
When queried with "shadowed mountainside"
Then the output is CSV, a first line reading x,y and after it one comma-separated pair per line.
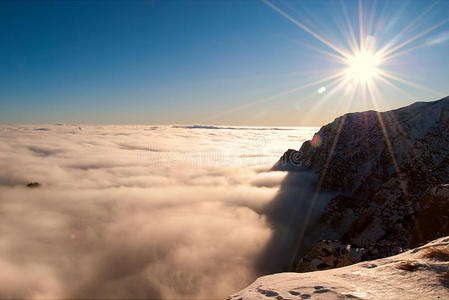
x,y
360,181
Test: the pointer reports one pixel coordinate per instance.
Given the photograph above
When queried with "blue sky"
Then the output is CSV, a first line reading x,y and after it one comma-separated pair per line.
x,y
209,62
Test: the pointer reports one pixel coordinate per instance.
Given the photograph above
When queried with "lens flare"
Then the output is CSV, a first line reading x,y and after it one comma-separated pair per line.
x,y
316,140
321,90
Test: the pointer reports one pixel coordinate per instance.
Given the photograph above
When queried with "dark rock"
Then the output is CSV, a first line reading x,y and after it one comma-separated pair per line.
x,y
329,254
33,185
432,220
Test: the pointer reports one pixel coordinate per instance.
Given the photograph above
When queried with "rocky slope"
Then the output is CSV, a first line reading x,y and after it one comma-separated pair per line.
x,y
380,166
421,273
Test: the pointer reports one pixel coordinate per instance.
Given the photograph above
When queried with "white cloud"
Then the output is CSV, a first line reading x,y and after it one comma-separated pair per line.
x,y
127,212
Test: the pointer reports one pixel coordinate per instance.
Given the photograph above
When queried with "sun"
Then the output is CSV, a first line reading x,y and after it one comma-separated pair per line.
x,y
363,67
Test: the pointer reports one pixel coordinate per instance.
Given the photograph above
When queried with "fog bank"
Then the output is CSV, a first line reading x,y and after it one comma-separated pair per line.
x,y
136,211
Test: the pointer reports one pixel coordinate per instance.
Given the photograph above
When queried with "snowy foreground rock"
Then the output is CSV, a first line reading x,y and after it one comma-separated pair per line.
x,y
420,273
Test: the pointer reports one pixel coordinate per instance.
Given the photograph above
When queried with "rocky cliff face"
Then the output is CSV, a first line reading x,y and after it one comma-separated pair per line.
x,y
380,165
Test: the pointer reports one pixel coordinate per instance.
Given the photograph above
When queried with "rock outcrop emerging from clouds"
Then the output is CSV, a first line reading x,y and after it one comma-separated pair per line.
x,y
381,165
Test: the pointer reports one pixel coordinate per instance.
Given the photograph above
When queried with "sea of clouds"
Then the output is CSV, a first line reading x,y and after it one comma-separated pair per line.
x,y
136,211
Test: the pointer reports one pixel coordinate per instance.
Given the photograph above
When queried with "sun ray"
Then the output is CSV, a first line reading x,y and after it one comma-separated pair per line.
x,y
316,193
317,190
276,96
387,82
391,117
387,140
305,28
402,52
371,19
288,92
379,24
414,38
406,28
408,50
407,82
306,12
361,29
338,84
332,56
332,88
351,39
321,179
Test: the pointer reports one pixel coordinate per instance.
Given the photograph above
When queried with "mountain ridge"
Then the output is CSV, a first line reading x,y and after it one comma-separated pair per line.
x,y
379,165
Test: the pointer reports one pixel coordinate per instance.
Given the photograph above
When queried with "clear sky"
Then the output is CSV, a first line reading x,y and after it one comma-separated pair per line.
x,y
217,62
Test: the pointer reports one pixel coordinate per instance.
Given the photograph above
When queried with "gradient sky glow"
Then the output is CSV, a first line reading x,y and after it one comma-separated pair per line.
x,y
208,62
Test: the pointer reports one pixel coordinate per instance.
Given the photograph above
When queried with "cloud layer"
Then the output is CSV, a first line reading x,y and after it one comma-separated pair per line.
x,y
135,211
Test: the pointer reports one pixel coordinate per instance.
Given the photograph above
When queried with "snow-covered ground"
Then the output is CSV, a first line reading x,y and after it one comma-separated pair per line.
x,y
409,275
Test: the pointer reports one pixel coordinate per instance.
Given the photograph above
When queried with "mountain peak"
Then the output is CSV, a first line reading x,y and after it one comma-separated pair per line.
x,y
381,163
